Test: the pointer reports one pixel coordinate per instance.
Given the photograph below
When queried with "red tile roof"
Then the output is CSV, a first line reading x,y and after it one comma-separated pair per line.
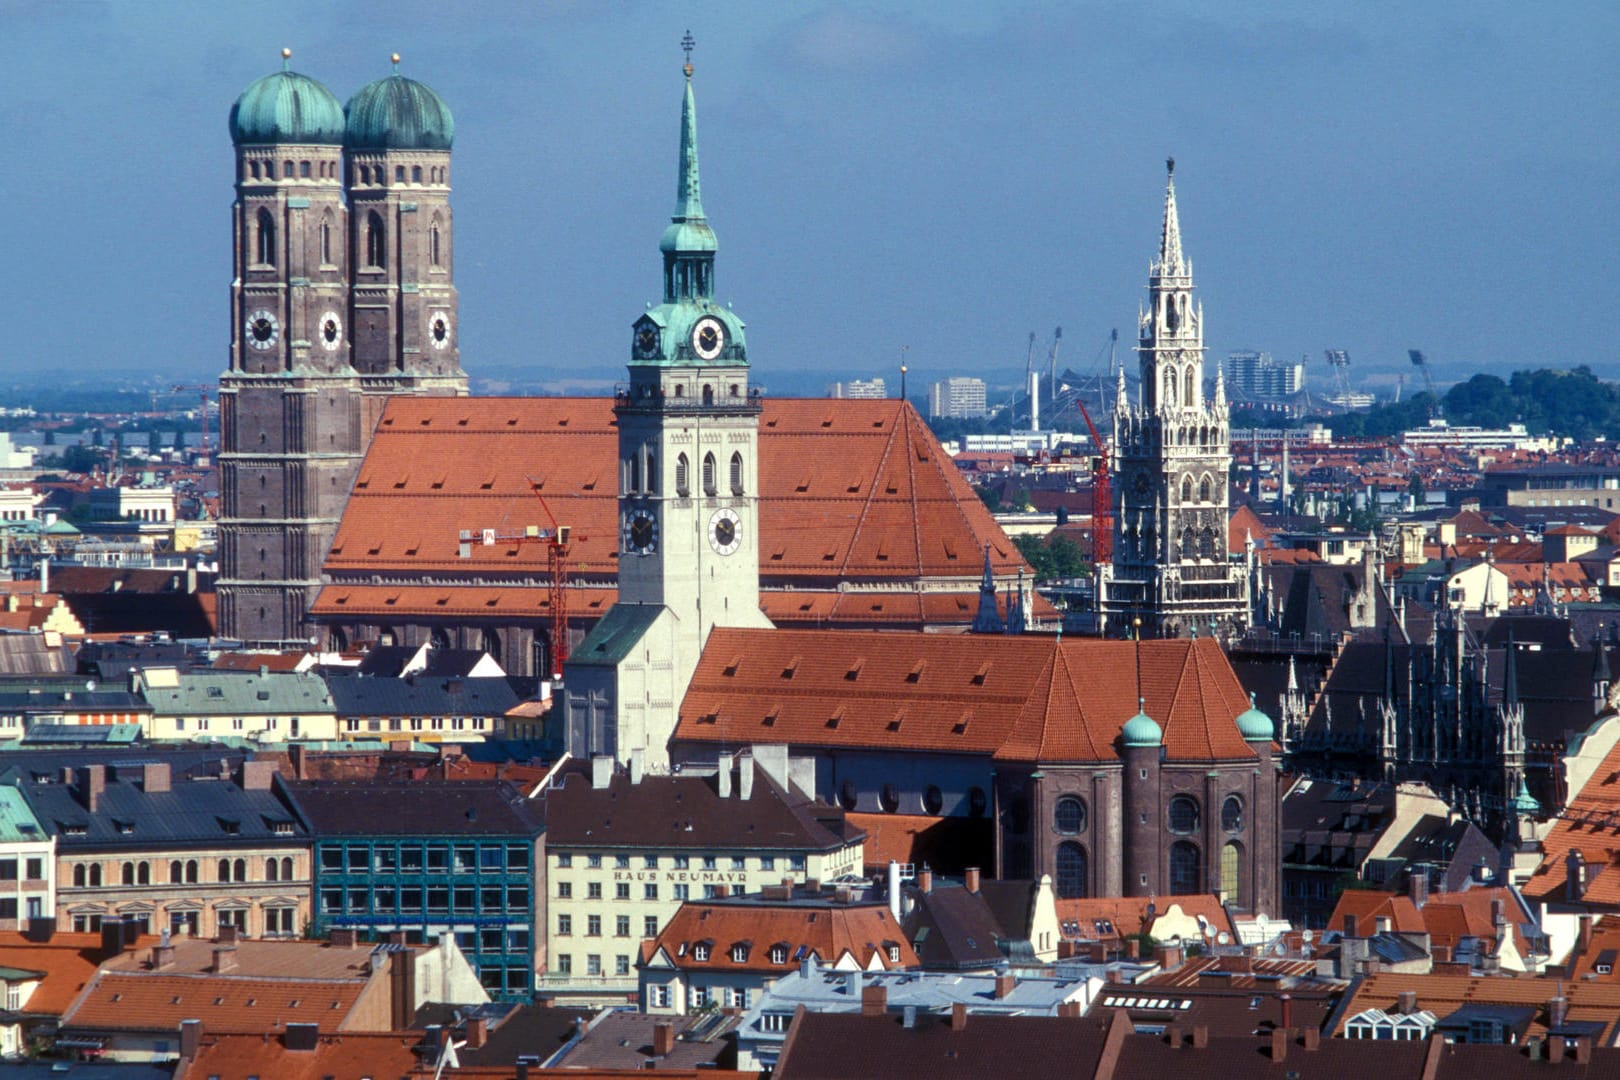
x,y
1020,697
249,1057
849,491
131,1002
866,932
68,961
1590,824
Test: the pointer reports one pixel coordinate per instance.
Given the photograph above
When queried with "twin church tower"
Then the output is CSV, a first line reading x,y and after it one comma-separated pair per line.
x,y
343,295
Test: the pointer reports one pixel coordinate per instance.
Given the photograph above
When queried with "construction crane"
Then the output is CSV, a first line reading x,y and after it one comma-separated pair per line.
x,y
556,538
1102,497
202,412
1421,362
1051,364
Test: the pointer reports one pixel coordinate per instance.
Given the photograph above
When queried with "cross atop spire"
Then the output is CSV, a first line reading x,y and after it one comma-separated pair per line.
x,y
1170,263
687,43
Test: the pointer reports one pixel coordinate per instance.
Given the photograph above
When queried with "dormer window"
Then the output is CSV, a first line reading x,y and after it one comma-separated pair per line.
x,y
700,952
739,953
779,953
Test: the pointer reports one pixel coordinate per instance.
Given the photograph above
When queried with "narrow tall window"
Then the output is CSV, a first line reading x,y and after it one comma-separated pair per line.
x,y
433,244
1191,395
736,474
710,484
1204,490
652,472
267,238
1184,868
683,478
376,240
326,243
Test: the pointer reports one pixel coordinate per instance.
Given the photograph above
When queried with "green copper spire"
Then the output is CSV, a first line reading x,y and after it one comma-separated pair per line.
x,y
688,195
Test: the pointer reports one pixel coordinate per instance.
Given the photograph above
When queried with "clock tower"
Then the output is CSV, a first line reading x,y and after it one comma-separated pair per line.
x,y
688,496
1172,575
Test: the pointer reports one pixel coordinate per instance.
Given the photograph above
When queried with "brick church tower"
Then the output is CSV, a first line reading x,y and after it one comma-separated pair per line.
x,y
338,222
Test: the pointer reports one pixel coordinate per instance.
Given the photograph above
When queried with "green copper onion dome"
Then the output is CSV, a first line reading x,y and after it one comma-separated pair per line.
x,y
397,113
1524,803
1142,729
1254,725
286,107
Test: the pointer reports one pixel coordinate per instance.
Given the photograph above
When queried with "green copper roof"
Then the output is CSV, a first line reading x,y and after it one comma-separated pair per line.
x,y
286,107
1524,803
1254,725
1142,729
397,113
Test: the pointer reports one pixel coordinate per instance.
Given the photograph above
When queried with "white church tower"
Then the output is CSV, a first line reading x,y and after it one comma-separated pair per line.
x,y
1172,575
688,498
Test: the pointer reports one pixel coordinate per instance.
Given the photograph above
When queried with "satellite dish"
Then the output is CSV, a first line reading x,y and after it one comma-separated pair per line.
x,y
90,684
1223,937
1209,931
1306,936
1261,921
1277,949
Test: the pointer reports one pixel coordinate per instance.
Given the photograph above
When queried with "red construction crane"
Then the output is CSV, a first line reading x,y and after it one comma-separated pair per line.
x,y
202,412
556,538
1102,498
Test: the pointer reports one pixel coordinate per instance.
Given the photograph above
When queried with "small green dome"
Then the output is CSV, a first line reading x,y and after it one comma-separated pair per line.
x,y
1142,729
1524,803
688,236
286,107
397,113
1254,725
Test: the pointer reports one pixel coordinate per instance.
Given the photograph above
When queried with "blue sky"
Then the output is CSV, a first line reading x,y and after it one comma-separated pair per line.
x,y
945,176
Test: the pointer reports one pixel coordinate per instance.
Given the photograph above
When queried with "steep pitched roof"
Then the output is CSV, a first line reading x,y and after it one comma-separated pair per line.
x,y
68,961
1019,697
849,491
738,936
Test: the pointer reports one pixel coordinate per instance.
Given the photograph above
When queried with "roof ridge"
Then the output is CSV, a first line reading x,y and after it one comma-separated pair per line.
x,y
866,505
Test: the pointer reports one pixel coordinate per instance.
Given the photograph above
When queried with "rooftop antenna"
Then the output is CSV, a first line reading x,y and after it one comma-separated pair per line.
x,y
903,369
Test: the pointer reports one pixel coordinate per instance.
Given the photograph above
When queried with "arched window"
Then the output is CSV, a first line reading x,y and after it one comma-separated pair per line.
x,y
683,477
1203,490
652,472
266,250
1189,544
433,244
710,484
95,875
255,167
174,872
933,799
287,169
286,868
1206,544
632,477
128,873
1186,489
1172,317
224,870
239,870
540,654
490,642
326,242
78,876
1069,815
191,872
439,638
303,170
1184,869
1183,816
143,874
271,870
1232,814
1231,874
1071,871
376,240
416,174
977,803
708,394
848,795
1169,388
736,474
889,798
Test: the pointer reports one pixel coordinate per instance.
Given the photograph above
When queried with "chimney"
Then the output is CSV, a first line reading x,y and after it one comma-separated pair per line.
x,y
958,1016
401,988
1005,981
295,757
601,771
1313,1038
722,775
190,1039
1287,1002
92,782
637,764
1200,1036
1169,957
1133,948
1406,1002
1582,1046
1279,1044
477,1032
112,936
344,937
874,1001
1583,941
745,777
301,1036
155,777
925,881
1418,886
971,876
1558,1011
1555,1049
45,575
225,960
228,935
162,956
663,1039
256,775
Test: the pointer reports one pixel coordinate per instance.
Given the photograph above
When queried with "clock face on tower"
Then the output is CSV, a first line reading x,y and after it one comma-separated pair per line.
x,y
640,533
263,330
708,338
725,532
439,329
646,344
331,332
